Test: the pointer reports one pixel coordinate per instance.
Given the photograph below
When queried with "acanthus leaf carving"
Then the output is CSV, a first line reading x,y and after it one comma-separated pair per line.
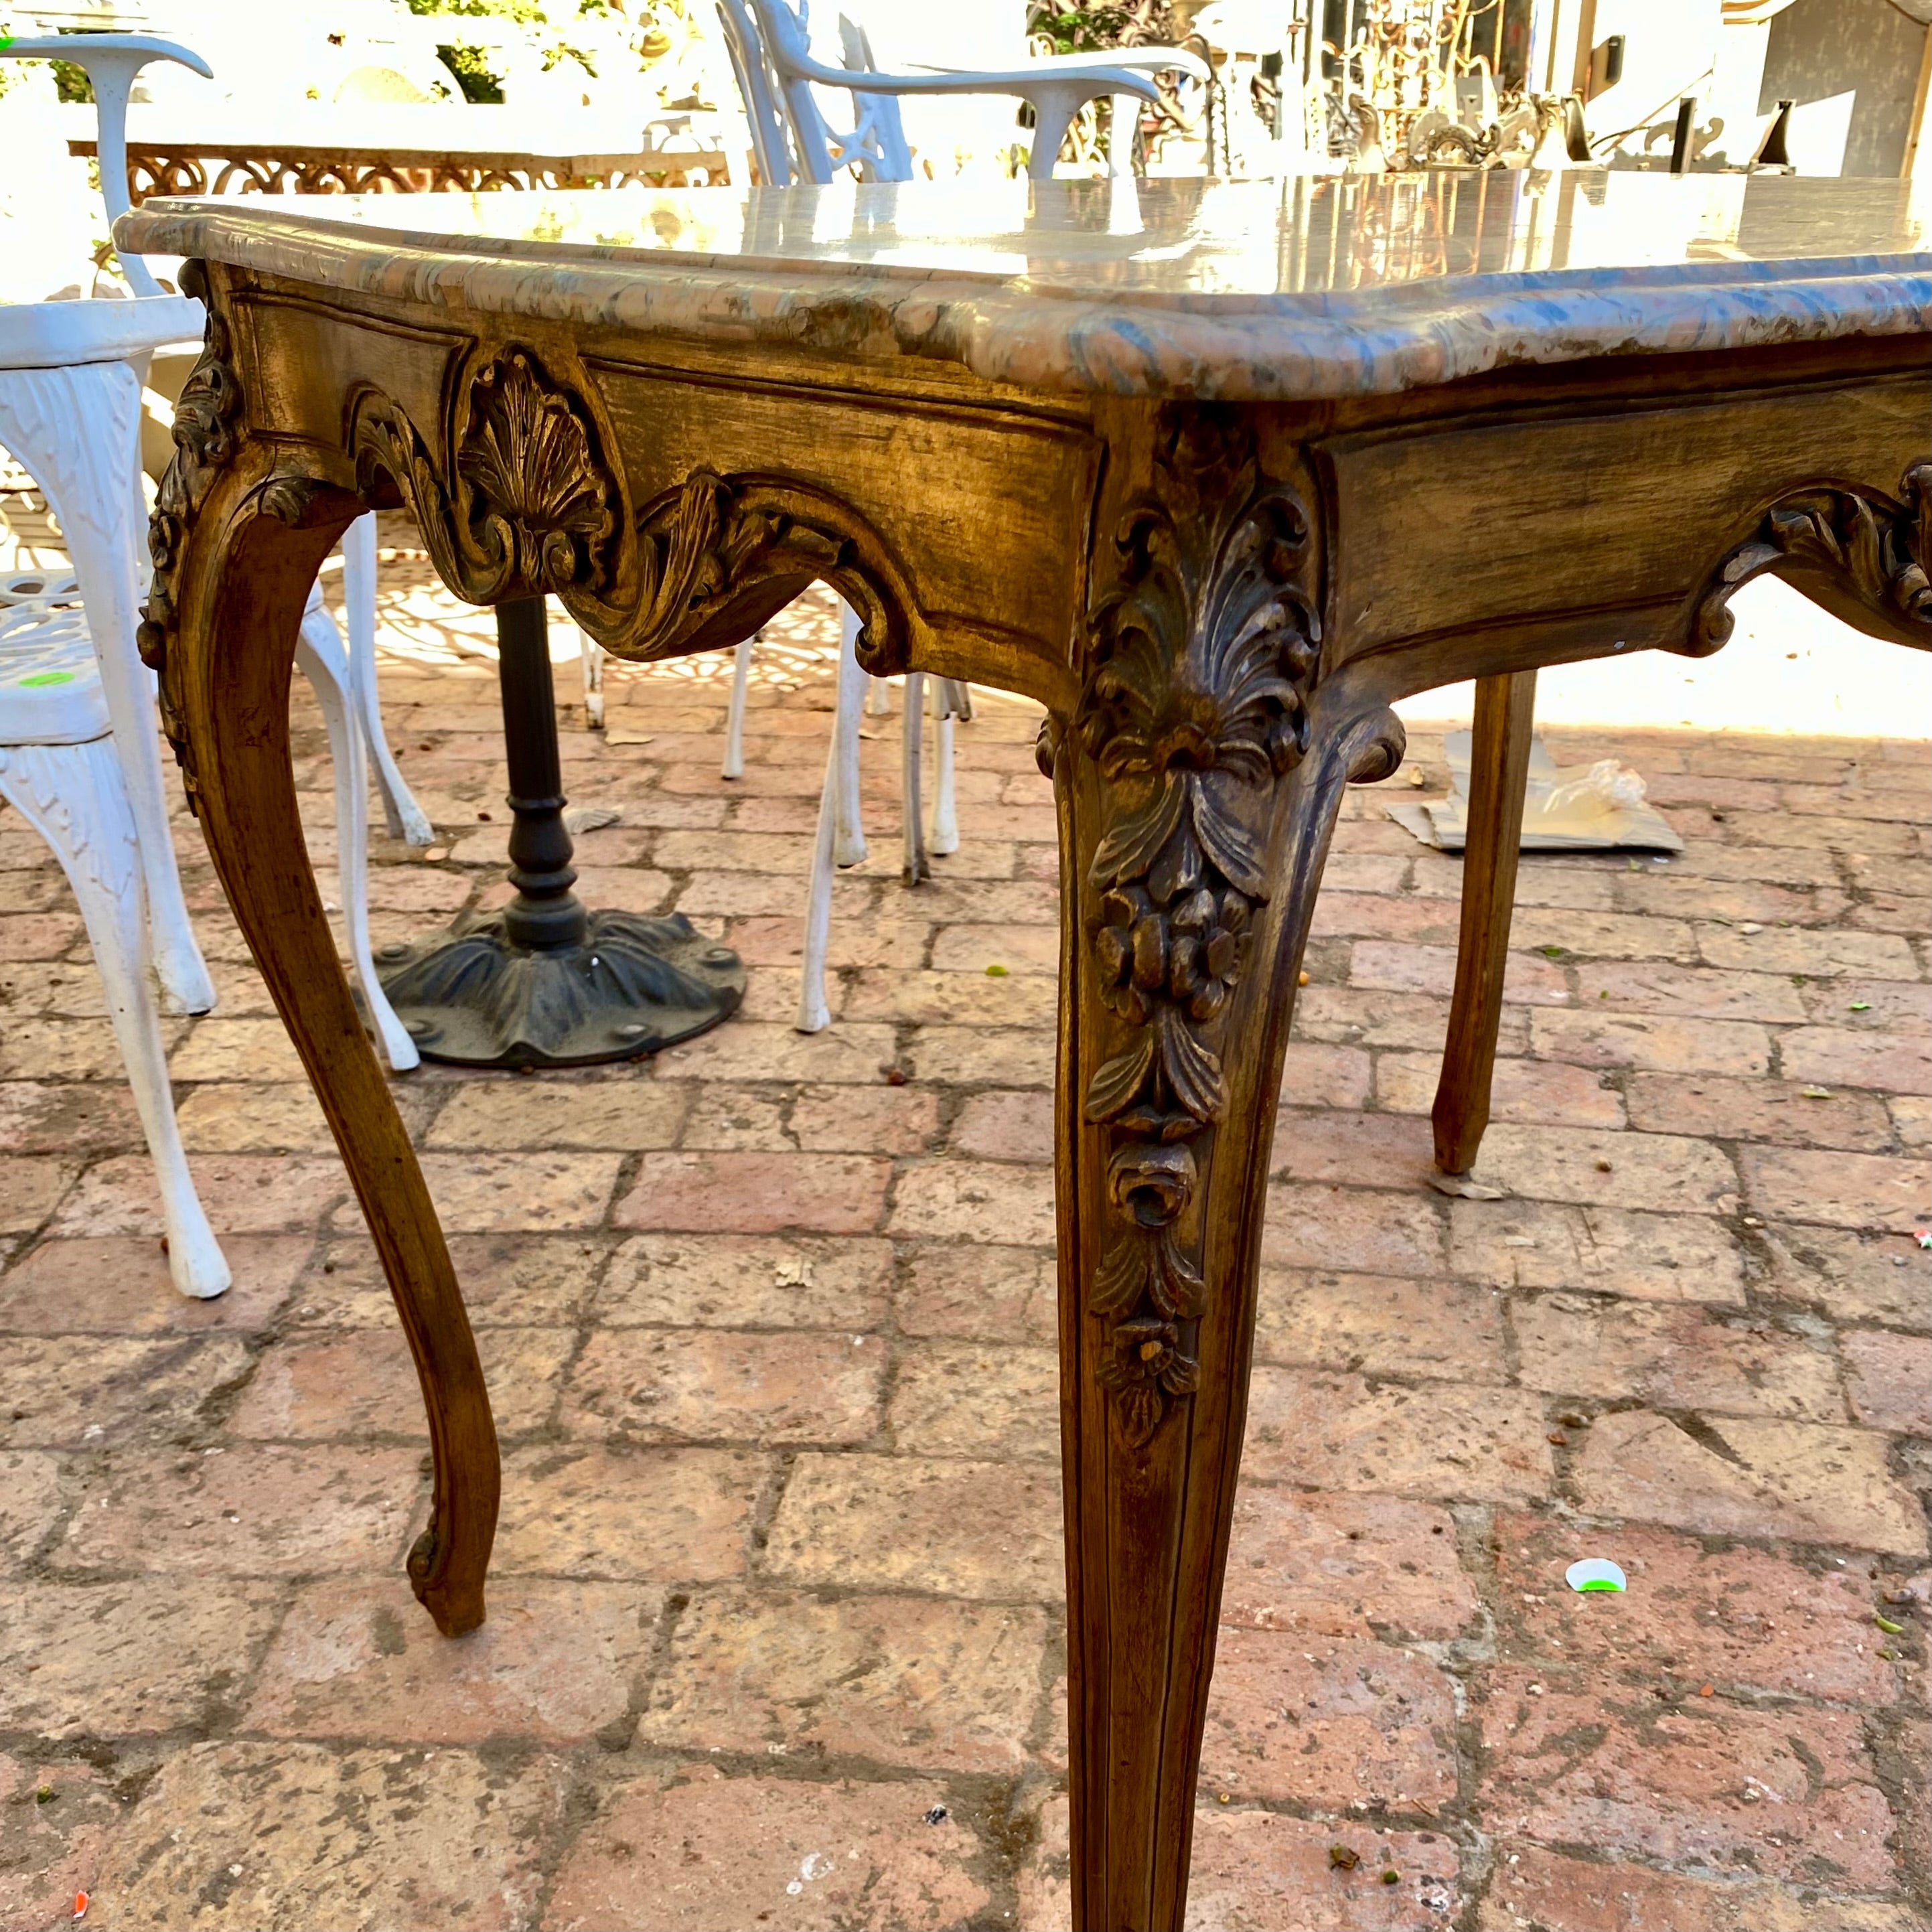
x,y
1202,652
207,431
541,500
1874,551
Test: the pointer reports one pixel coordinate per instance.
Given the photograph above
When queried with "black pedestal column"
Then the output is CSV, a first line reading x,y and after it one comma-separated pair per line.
x,y
543,982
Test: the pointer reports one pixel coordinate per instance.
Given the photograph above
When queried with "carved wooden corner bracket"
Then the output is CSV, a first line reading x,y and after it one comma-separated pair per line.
x,y
524,499
1203,650
1873,551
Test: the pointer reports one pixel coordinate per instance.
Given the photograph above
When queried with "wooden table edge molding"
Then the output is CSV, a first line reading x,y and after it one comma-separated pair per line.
x,y
1216,535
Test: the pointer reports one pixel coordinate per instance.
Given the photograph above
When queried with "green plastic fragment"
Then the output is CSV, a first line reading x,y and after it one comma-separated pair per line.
x,y
996,972
1890,1628
1594,1573
46,677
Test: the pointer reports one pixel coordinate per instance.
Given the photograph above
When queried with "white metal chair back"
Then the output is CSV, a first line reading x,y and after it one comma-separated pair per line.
x,y
757,85
771,51
111,61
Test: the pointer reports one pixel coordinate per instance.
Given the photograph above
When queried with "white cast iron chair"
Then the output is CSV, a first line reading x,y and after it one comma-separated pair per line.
x,y
60,769
772,54
76,706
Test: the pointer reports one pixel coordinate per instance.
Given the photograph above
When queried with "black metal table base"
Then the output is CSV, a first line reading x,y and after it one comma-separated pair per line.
x,y
543,982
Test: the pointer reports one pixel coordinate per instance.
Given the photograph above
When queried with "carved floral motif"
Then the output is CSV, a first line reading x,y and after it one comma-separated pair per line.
x,y
207,433
1204,651
1877,551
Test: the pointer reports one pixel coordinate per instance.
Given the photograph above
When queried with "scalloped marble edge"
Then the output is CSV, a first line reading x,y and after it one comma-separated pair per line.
x,y
1234,348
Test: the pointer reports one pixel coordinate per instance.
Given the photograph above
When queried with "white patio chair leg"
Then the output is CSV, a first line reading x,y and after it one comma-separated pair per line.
x,y
1054,109
1122,133
76,431
849,841
945,816
733,766
405,819
878,699
917,866
320,658
75,797
591,653
814,1015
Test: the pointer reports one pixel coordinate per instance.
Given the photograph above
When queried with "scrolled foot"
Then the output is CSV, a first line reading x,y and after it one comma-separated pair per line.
x,y
455,1603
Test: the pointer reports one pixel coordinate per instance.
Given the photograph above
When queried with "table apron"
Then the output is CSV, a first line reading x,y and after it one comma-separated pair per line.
x,y
1587,530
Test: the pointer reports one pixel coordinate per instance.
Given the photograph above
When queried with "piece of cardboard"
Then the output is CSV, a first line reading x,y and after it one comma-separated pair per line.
x,y
1599,807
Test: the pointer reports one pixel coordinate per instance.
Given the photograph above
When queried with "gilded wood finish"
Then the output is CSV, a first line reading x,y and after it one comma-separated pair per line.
x,y
1217,603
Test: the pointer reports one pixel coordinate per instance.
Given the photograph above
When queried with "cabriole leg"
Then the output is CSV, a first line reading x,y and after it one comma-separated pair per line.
x,y
1498,772
223,625
1198,781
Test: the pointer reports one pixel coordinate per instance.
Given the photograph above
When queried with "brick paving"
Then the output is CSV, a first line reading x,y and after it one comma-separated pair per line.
x,y
776,1632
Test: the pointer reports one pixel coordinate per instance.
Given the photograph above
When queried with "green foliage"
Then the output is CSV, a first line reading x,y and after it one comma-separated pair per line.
x,y
1082,29
622,30
470,65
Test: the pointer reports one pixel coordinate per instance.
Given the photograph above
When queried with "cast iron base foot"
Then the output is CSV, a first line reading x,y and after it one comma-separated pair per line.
x,y
631,986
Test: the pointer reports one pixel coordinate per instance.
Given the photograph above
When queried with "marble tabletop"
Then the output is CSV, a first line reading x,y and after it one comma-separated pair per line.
x,y
1321,286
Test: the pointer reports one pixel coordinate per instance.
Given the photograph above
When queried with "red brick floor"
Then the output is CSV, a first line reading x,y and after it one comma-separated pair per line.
x,y
776,1635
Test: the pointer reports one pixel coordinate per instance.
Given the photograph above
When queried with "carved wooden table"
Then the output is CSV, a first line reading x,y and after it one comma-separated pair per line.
x,y
1214,473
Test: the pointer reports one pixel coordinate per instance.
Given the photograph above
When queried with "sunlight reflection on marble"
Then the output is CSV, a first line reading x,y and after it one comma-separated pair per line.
x,y
1319,233
1317,286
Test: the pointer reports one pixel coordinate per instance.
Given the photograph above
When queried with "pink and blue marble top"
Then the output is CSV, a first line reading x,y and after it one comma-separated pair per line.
x,y
1313,286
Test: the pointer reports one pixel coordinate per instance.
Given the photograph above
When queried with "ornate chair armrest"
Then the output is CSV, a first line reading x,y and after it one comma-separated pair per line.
x,y
1136,60
1024,82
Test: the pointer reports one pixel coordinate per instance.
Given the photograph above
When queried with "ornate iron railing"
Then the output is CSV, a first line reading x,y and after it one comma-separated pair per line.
x,y
218,167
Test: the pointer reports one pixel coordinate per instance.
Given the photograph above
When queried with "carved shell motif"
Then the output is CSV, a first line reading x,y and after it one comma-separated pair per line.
x,y
541,505
1204,650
